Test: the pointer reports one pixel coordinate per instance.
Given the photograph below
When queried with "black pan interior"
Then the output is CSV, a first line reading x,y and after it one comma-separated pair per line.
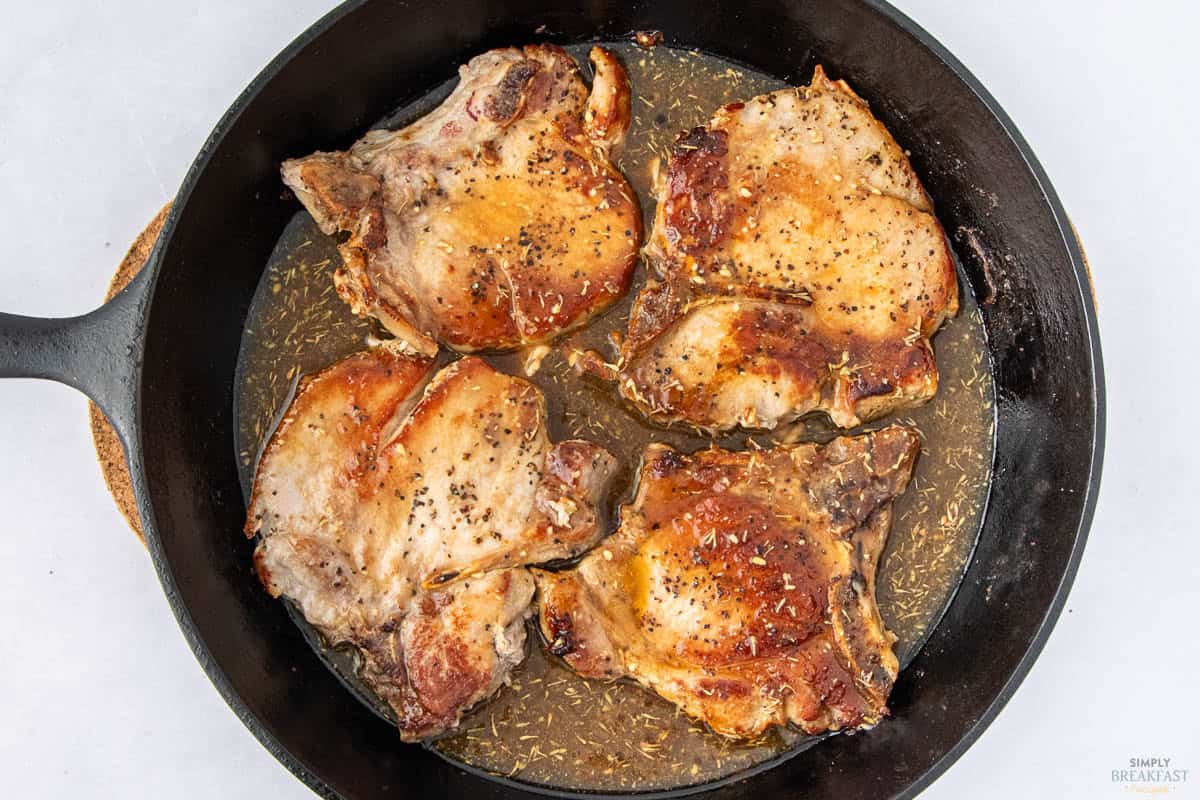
x,y
368,58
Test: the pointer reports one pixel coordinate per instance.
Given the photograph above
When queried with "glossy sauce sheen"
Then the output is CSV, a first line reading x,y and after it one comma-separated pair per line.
x,y
550,726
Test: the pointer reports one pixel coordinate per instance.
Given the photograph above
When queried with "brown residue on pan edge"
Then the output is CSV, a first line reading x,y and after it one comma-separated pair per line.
x,y
648,40
970,238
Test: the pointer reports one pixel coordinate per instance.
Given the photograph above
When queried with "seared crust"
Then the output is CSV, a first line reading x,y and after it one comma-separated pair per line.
x,y
608,108
397,508
454,648
801,266
495,221
740,585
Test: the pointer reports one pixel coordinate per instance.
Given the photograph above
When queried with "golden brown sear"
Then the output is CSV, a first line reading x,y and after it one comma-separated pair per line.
x,y
397,508
800,269
741,585
495,221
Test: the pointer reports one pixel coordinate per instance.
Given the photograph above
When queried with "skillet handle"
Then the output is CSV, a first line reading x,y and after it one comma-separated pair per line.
x,y
98,353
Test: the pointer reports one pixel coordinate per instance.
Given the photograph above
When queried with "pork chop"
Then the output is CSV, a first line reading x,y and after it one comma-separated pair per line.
x,y
396,508
741,585
801,269
495,221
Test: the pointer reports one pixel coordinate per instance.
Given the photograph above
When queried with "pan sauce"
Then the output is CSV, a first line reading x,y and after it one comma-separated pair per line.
x,y
550,726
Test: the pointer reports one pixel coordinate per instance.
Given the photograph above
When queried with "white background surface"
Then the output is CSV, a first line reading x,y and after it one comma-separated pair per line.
x,y
102,107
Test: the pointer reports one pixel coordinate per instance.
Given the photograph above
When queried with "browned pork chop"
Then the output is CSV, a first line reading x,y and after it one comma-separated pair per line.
x,y
741,586
396,508
495,221
802,269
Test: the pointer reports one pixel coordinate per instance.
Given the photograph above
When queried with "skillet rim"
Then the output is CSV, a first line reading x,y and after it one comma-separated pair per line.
x,y
1087,513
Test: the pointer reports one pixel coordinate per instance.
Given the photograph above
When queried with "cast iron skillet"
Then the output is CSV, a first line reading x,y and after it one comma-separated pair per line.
x,y
160,358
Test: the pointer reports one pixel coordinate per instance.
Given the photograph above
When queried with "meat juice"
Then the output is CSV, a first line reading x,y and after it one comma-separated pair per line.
x,y
549,726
